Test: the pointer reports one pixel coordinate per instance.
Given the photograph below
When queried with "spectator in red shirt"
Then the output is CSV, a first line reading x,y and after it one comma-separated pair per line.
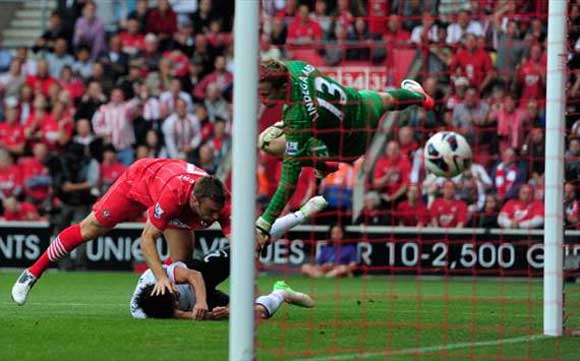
x,y
303,31
111,168
507,175
35,176
221,142
395,35
42,81
378,11
391,174
132,41
524,212
289,12
69,82
448,212
412,212
179,63
10,177
19,211
571,206
532,76
511,123
473,63
407,142
220,76
162,21
11,132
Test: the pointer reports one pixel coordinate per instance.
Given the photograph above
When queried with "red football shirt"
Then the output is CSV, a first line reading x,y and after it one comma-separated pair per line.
x,y
110,172
27,212
31,167
311,30
132,43
519,211
399,171
165,186
448,213
40,84
530,75
11,134
474,66
409,215
10,180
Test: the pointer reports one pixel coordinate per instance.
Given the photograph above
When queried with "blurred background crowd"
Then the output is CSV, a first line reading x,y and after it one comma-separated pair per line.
x,y
111,82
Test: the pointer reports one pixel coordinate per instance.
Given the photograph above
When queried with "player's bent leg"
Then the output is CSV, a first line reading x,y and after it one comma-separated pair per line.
x,y
283,224
410,93
180,244
67,240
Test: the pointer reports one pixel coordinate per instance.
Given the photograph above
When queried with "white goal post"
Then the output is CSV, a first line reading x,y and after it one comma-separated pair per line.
x,y
554,169
241,330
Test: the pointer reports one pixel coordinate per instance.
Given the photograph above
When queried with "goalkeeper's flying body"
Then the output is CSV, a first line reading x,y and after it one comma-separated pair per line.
x,y
321,121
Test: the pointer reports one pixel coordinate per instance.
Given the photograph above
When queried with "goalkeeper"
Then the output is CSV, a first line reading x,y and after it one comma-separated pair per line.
x,y
321,121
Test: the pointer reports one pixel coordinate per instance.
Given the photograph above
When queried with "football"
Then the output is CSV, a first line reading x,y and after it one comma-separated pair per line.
x,y
447,154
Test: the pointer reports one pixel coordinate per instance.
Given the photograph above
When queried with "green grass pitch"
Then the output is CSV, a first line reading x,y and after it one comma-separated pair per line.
x,y
85,316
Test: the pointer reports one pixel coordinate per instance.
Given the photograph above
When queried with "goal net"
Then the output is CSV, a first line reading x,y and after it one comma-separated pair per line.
x,y
404,265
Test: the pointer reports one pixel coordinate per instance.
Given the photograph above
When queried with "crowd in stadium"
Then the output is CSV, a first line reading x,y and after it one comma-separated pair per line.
x,y
111,82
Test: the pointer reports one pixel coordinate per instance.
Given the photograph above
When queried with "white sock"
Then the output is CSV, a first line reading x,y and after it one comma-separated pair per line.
x,y
283,224
271,302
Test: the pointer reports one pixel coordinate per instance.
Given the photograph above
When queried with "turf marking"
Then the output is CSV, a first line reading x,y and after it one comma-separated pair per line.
x,y
422,350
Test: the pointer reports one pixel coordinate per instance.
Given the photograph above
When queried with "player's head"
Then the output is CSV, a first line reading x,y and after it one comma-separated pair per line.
x,y
273,81
208,198
158,306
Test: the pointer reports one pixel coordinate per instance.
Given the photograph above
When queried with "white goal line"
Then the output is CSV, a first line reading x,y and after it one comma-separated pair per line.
x,y
422,350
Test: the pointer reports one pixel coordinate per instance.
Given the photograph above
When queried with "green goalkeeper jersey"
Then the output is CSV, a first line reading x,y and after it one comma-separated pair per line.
x,y
324,121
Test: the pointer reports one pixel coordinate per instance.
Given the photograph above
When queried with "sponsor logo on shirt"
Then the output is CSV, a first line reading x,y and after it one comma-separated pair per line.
x,y
158,211
291,148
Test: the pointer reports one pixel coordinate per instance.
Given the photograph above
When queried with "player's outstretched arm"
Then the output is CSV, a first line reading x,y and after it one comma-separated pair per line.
x,y
195,280
148,237
291,168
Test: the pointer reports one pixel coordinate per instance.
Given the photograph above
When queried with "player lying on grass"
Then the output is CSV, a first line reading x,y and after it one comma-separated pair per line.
x,y
195,295
190,287
321,121
178,198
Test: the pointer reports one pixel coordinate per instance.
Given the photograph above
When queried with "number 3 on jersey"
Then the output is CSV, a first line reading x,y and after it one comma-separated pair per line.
x,y
327,89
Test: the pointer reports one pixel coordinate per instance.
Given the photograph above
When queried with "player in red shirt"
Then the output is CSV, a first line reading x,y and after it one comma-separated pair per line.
x,y
178,197
473,63
448,212
303,30
524,212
